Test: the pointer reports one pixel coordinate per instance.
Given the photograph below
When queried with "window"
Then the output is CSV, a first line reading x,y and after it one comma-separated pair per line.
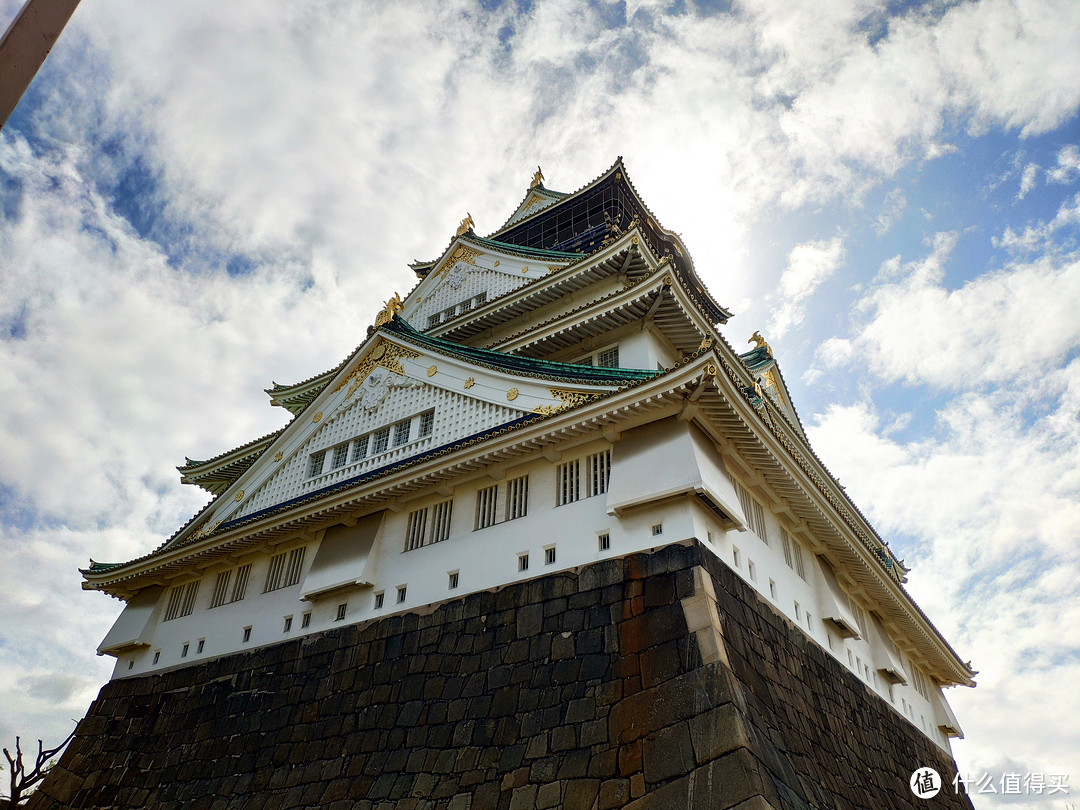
x,y
131,663
181,600
223,593
341,609
566,478
428,525
427,423
433,320
401,432
401,594
453,580
288,624
792,553
517,497
378,600
523,562
359,448
755,515
380,440
315,463
609,358
752,570
657,529
604,541
798,612
582,477
772,589
341,455
735,555
157,656
285,569
184,650
549,556
486,501
305,620
200,645
417,529
480,298
247,634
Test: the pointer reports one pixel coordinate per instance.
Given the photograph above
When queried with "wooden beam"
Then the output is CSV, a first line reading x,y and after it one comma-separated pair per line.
x,y
25,45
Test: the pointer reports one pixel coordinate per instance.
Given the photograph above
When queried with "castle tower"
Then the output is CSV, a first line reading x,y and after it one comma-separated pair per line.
x,y
544,539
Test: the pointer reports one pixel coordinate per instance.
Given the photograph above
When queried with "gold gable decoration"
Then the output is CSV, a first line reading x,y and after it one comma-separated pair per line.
x,y
393,306
385,354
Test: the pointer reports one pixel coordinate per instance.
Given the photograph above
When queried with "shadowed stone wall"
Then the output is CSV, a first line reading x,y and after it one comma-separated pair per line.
x,y
602,688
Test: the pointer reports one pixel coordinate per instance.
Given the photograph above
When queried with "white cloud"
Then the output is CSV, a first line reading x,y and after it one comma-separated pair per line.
x,y
809,266
892,208
1040,236
1016,322
1027,180
1068,165
987,514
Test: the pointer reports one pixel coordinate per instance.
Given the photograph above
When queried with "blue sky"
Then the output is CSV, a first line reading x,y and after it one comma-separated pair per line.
x,y
202,198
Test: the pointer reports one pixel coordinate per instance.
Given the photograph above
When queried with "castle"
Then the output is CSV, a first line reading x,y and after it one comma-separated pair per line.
x,y
546,459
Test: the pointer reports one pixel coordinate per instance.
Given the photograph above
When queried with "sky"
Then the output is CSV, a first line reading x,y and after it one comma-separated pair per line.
x,y
198,199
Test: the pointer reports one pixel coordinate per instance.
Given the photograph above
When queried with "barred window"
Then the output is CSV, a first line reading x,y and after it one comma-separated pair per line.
x,y
401,432
417,529
429,525
755,515
433,320
315,463
380,440
566,482
792,553
549,556
597,473
285,569
517,497
359,448
453,580
604,541
480,298
582,477
181,600
486,503
230,586
441,514
427,423
401,594
341,455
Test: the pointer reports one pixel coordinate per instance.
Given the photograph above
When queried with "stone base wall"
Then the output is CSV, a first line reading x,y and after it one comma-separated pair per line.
x,y
654,681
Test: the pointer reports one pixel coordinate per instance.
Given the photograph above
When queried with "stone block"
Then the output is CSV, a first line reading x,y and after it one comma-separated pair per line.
x,y
667,753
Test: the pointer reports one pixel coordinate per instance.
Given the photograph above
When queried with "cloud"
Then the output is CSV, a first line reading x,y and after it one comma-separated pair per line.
x,y
809,266
986,511
892,208
1014,323
1027,180
1040,236
1068,165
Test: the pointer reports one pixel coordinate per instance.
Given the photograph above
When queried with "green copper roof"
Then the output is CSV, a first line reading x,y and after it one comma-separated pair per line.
x,y
523,365
509,247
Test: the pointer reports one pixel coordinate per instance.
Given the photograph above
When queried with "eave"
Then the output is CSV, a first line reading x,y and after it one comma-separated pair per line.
x,y
216,474
294,398
777,465
622,256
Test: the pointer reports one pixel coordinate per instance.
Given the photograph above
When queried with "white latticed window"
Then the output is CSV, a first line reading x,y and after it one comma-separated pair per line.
x,y
341,455
755,515
285,569
181,600
487,501
380,440
582,477
315,463
427,423
359,449
401,432
608,358
517,497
